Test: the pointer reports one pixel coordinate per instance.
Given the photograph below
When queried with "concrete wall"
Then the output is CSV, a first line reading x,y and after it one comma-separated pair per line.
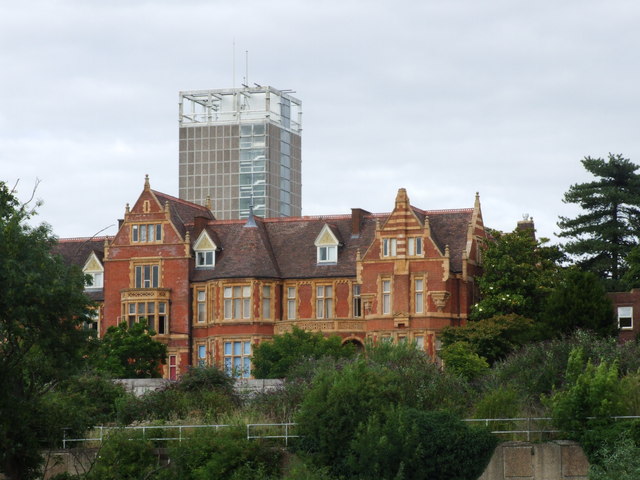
x,y
559,460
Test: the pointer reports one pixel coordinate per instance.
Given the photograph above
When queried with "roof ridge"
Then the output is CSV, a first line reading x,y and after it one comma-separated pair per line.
x,y
85,239
180,200
444,210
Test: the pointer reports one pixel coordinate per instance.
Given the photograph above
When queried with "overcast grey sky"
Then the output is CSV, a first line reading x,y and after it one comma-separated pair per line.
x,y
444,98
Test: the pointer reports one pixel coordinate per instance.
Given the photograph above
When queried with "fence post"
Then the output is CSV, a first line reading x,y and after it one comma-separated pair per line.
x,y
528,429
64,438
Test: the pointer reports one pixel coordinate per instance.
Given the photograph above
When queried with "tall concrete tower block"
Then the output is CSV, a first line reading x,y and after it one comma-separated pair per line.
x,y
239,148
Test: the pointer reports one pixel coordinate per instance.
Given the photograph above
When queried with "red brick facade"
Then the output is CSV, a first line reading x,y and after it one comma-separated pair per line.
x,y
213,289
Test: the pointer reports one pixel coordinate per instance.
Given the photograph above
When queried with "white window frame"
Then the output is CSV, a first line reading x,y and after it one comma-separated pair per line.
x,y
205,258
201,306
625,313
327,254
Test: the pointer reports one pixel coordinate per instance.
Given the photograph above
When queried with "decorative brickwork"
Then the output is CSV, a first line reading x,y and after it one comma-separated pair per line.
x,y
384,277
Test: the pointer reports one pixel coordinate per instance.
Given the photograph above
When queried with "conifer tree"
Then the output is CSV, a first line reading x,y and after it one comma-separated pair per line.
x,y
602,236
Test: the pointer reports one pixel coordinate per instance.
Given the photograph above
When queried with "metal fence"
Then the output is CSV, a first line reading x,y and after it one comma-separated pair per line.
x,y
523,429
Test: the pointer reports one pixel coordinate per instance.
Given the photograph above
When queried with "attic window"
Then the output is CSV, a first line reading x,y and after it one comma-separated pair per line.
x,y
204,258
327,246
94,269
205,251
328,254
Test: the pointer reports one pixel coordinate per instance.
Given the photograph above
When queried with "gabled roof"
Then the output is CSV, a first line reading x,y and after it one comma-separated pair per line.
x,y
449,227
181,211
76,251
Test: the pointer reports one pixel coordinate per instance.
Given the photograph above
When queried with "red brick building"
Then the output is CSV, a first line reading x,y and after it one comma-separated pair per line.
x,y
627,309
212,289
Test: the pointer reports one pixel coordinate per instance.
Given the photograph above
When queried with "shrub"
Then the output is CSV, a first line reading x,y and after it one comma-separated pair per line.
x,y
124,455
205,393
501,403
460,358
204,378
414,445
225,453
592,395
619,460
336,404
276,358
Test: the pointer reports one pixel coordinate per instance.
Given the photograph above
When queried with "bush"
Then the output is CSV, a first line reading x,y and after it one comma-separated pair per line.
x,y
225,453
276,358
404,443
592,395
124,455
501,403
171,405
460,359
204,393
204,378
619,460
336,404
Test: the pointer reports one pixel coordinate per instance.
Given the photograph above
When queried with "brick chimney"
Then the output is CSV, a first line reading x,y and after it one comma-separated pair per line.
x,y
357,214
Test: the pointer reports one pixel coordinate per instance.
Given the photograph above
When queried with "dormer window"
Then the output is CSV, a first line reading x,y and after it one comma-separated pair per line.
x,y
204,258
94,269
328,254
205,251
327,246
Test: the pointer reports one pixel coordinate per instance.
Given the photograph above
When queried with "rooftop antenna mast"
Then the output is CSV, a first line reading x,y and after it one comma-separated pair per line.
x,y
246,68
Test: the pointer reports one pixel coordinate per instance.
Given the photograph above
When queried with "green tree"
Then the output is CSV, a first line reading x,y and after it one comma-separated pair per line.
x,y
592,395
601,238
461,359
275,359
579,301
42,305
336,403
129,352
494,338
519,272
409,444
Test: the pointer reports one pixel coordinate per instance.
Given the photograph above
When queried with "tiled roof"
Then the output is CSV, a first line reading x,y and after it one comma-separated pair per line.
x,y
182,212
450,228
76,251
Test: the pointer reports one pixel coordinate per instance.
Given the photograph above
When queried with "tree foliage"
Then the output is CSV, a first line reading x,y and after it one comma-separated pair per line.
x,y
275,359
579,301
412,444
592,395
519,272
129,352
601,238
461,359
42,305
494,338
